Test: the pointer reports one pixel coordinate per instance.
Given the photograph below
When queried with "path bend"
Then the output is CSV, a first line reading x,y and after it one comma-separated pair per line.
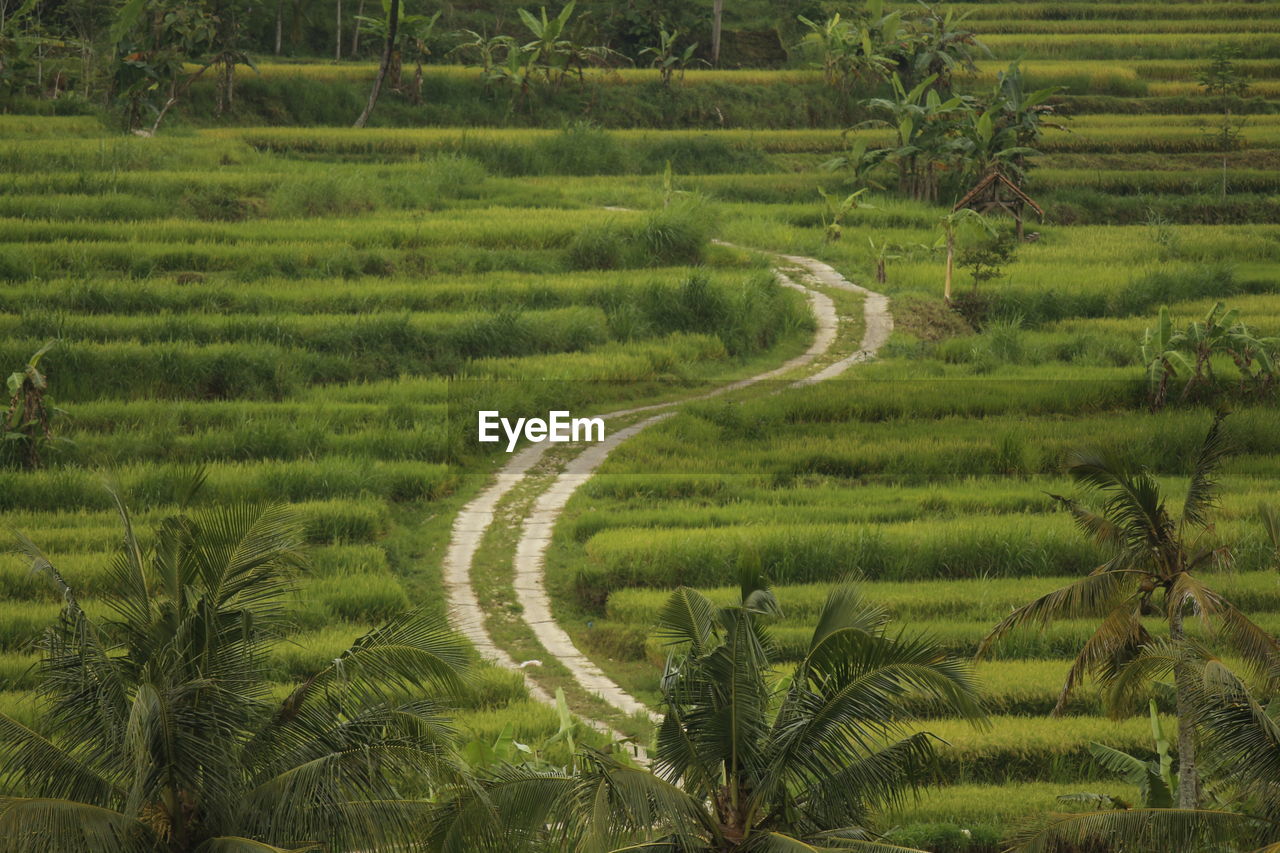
x,y
475,518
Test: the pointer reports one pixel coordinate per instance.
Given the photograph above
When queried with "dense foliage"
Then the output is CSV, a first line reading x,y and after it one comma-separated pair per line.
x,y
159,731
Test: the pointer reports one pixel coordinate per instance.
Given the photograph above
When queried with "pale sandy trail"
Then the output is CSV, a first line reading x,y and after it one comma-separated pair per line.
x,y
474,519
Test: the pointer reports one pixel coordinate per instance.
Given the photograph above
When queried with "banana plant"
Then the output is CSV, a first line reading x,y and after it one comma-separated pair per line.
x,y
1156,782
18,44
1162,357
28,421
882,253
668,58
516,70
942,46
505,751
1190,352
986,144
1028,113
486,50
418,31
862,161
549,48
835,209
923,142
832,42
864,49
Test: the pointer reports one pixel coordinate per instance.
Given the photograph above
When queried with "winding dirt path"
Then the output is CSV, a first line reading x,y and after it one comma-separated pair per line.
x,y
475,518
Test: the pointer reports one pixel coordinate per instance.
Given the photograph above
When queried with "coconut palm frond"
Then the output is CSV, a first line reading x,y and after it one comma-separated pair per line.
x,y
38,825
881,779
1154,661
1258,647
502,810
1096,526
1243,739
1094,595
1142,829
854,838
415,648
49,769
235,844
1132,499
1203,489
687,617
846,609
1117,641
1270,518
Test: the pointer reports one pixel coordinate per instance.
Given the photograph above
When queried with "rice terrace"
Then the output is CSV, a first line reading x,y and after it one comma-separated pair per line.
x,y
680,427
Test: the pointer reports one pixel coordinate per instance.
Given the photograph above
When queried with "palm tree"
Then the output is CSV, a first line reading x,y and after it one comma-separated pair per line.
x,y
809,758
746,760
158,730
1153,569
1242,739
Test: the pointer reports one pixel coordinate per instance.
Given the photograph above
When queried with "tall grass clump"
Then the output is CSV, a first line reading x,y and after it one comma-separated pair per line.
x,y
451,174
602,246
580,148
322,194
676,234
746,319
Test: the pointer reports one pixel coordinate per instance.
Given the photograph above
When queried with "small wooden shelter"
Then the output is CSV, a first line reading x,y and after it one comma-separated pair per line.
x,y
996,192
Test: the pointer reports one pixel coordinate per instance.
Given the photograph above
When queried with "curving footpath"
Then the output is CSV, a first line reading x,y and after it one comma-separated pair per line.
x,y
474,519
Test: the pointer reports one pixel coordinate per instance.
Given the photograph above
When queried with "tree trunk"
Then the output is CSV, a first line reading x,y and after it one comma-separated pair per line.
x,y
1188,773
1226,124
717,17
279,25
951,253
337,39
388,52
226,86
355,31
881,274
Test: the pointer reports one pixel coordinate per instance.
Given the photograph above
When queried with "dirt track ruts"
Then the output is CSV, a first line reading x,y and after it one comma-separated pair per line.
x,y
474,519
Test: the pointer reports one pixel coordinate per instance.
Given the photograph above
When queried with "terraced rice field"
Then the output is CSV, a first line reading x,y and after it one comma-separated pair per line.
x,y
294,328
298,310
925,474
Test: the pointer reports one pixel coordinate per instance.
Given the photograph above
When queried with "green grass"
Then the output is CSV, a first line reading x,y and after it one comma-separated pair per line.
x,y
303,332
294,308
